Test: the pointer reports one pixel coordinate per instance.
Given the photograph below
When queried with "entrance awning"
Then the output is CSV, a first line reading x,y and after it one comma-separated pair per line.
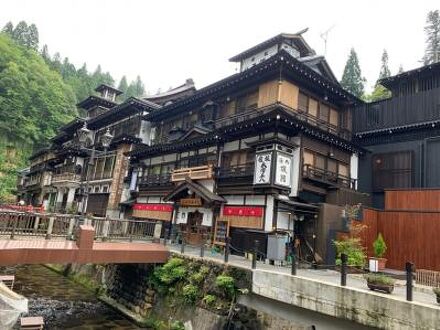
x,y
181,191
288,205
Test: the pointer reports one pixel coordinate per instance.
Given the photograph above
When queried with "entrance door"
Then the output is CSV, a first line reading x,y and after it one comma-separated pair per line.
x,y
194,221
194,228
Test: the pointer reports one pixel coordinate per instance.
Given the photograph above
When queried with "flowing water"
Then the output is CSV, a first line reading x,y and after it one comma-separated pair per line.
x,y
62,303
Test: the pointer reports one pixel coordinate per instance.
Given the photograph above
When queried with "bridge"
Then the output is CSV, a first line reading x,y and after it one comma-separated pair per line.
x,y
37,238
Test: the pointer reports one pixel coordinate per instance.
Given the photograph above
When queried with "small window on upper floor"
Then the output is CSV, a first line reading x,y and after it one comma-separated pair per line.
x,y
303,102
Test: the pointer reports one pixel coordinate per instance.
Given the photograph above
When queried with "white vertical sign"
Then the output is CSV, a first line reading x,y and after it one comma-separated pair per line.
x,y
283,170
262,168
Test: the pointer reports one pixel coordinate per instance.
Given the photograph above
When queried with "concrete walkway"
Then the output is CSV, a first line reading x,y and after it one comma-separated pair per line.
x,y
420,294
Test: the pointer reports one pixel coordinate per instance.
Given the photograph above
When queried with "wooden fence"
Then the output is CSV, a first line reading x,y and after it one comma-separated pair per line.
x,y
409,235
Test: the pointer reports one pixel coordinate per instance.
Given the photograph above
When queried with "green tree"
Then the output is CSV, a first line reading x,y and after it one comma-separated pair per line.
x,y
8,28
136,88
34,103
352,79
33,37
45,54
123,84
432,31
21,33
380,92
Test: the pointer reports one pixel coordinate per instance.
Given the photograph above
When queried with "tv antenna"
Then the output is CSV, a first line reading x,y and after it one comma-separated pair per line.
x,y
324,36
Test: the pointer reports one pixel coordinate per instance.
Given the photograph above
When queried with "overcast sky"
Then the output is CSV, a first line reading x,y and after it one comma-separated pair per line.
x,y
166,41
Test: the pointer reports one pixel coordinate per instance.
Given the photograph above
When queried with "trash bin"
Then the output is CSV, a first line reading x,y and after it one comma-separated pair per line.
x,y
276,247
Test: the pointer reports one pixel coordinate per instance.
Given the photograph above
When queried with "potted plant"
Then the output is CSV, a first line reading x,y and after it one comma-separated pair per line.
x,y
379,248
437,294
380,282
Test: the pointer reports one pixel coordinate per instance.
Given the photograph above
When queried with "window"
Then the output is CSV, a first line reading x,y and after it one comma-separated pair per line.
x,y
308,158
247,101
303,102
323,162
393,170
334,117
324,112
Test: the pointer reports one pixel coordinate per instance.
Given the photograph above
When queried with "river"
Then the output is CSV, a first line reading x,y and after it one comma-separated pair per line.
x,y
62,303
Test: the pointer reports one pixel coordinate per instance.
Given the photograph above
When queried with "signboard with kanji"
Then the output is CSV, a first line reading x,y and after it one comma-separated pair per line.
x,y
263,163
283,170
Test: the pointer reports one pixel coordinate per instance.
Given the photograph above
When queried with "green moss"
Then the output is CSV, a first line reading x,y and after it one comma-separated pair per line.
x,y
190,293
227,284
209,300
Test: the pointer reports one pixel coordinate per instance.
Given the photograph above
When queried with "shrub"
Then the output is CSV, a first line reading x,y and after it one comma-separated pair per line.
x,y
209,299
354,250
190,293
173,271
436,291
227,284
197,278
379,246
379,279
177,325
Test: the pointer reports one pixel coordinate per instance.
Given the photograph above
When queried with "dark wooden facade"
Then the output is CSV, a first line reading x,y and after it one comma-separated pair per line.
x,y
402,135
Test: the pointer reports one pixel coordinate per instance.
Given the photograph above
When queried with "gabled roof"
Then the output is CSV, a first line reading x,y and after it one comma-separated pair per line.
x,y
102,87
196,129
389,82
297,37
172,94
319,64
197,188
282,62
94,100
130,106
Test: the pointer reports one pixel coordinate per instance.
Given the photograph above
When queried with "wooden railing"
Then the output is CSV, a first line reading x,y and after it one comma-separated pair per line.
x,y
245,170
155,180
66,176
46,225
194,173
302,116
328,177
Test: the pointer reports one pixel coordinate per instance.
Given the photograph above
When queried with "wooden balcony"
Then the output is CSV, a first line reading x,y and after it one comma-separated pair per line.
x,y
155,180
327,178
239,171
194,173
66,177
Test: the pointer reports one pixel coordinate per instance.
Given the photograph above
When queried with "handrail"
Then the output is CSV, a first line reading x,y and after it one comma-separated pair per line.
x,y
313,172
198,172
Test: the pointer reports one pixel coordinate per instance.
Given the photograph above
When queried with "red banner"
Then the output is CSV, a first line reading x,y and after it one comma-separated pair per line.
x,y
243,211
153,207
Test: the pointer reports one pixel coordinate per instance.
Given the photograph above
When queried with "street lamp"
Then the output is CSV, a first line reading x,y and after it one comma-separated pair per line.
x,y
105,140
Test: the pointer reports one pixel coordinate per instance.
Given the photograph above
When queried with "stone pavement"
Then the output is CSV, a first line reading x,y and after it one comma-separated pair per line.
x,y
420,294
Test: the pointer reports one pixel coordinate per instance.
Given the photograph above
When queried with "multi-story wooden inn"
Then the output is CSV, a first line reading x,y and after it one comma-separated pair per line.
x,y
253,153
66,175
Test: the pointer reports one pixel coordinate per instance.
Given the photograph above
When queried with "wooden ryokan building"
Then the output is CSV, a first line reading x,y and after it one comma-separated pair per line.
x,y
251,153
401,135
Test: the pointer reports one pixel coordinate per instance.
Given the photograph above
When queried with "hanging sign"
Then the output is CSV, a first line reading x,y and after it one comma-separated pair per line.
x,y
191,202
262,168
283,170
243,211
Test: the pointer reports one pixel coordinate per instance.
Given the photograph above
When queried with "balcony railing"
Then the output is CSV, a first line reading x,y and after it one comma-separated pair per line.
x,y
239,171
154,180
312,120
66,177
328,177
193,173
